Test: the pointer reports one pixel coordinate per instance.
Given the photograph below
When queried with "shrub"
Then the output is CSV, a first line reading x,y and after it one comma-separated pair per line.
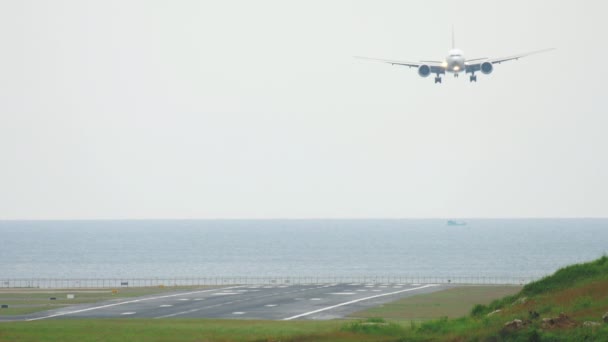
x,y
435,326
374,326
482,310
583,302
479,310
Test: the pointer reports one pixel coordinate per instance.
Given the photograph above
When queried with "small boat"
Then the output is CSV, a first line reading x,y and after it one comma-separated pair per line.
x,y
456,223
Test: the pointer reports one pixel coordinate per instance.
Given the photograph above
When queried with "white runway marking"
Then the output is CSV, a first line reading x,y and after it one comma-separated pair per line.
x,y
123,303
356,301
128,313
376,290
197,299
227,303
415,284
184,299
342,293
315,298
179,313
362,290
225,293
238,313
270,305
166,305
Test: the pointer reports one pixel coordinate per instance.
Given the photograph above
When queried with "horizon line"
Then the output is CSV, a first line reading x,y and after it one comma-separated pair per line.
x,y
316,218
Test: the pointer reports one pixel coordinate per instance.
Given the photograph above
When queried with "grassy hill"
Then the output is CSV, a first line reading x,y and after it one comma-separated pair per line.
x,y
566,306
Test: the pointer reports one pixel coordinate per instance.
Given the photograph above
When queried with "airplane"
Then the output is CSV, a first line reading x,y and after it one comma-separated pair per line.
x,y
456,63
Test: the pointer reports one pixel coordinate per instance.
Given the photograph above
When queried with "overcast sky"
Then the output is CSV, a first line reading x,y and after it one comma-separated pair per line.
x,y
256,109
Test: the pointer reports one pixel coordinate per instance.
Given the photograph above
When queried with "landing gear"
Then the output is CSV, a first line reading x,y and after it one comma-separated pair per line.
x,y
437,79
473,78
455,75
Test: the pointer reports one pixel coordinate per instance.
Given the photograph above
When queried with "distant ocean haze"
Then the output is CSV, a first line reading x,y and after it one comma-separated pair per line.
x,y
296,248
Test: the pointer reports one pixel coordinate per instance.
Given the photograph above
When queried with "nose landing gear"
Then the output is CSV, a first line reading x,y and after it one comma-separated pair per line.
x,y
473,78
437,79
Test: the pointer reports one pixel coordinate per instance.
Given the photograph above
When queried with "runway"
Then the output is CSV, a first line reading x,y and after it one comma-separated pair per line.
x,y
282,302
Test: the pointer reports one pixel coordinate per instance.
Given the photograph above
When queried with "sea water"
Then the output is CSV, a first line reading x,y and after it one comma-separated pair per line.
x,y
296,248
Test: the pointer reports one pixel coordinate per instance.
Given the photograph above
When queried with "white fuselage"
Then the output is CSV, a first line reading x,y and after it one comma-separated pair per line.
x,y
454,62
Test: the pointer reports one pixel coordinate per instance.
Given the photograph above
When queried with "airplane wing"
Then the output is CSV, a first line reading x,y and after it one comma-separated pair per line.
x,y
474,65
516,57
436,67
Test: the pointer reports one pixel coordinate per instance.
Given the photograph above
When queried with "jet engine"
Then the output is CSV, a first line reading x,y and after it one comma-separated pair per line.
x,y
424,70
487,68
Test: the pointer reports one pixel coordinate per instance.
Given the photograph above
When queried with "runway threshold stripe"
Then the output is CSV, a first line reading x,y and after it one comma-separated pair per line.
x,y
356,301
127,302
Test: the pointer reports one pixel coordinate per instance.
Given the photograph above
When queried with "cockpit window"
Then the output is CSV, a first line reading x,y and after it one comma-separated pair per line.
x,y
455,53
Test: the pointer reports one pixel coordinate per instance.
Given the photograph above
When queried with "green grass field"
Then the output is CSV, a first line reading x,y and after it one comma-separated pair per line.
x,y
176,330
451,303
24,301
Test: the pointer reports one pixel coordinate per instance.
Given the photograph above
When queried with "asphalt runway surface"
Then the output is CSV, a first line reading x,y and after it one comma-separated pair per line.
x,y
278,302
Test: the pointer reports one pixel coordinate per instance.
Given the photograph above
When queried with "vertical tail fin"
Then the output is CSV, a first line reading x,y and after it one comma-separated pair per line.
x,y
453,38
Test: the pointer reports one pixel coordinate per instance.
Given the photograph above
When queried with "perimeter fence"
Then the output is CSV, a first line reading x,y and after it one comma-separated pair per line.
x,y
51,283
